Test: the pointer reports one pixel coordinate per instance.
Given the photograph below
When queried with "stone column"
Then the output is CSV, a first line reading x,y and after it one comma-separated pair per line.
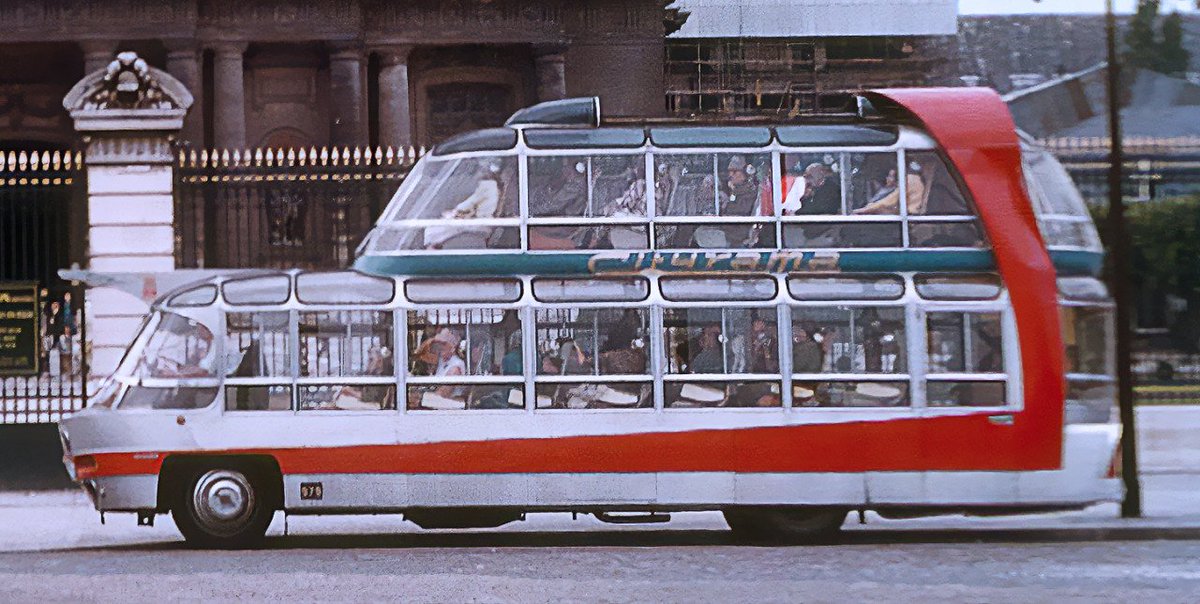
x,y
548,60
130,203
183,62
348,101
97,54
395,113
229,95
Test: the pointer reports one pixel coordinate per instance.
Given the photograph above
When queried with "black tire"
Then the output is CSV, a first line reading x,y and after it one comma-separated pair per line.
x,y
222,508
790,525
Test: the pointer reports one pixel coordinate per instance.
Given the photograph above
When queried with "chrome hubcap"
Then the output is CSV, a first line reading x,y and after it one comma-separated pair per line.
x,y
223,501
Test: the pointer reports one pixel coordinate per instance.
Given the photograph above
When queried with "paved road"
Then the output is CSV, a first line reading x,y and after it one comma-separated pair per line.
x,y
52,549
661,566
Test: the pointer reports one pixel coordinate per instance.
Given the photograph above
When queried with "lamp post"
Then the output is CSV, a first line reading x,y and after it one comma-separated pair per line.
x,y
1131,506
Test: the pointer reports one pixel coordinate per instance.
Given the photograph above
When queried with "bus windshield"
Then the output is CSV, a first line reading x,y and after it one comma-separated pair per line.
x,y
171,347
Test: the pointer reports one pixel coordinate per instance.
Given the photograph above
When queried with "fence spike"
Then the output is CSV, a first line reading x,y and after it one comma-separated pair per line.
x,y
279,156
57,159
35,161
291,157
312,155
378,155
346,156
46,160
334,158
324,155
22,161
357,155
389,155
225,158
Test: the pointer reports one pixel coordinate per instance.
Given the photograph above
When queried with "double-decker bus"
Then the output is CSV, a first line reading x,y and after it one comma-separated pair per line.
x,y
895,310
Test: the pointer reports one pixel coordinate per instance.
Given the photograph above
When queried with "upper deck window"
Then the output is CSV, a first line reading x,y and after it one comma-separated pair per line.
x,y
830,135
463,290
736,187
710,136
272,289
576,188
469,193
492,139
585,138
1061,212
633,289
837,185
346,287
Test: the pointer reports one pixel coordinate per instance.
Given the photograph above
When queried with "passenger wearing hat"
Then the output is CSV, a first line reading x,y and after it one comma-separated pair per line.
x,y
483,202
822,191
440,352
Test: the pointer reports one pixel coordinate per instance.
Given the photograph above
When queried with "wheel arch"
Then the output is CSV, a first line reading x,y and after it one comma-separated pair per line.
x,y
178,469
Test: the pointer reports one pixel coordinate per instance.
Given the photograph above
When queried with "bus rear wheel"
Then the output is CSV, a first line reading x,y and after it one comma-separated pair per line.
x,y
798,525
222,508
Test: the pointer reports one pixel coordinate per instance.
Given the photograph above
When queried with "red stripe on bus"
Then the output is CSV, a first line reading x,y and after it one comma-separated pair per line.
x,y
944,443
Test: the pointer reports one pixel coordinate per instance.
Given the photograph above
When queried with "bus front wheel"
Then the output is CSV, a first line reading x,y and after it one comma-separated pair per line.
x,y
222,508
785,524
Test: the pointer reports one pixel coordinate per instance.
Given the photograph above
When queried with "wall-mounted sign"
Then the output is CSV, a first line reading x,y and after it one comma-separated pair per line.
x,y
20,340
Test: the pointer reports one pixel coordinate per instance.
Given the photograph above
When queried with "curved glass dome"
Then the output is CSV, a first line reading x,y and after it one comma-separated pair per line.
x,y
1061,212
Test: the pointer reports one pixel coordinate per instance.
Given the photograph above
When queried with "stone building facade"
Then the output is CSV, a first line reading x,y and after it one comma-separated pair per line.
x,y
345,72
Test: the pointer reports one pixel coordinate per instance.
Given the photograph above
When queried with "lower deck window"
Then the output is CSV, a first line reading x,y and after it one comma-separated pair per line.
x,y
459,396
183,397
966,359
348,397
850,393
258,398
964,393
591,395
721,393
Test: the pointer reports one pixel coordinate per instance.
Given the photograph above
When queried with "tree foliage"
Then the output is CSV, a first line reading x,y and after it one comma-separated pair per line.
x,y
1165,260
1147,49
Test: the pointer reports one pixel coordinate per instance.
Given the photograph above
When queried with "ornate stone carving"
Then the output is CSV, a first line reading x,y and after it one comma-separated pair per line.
x,y
127,95
128,84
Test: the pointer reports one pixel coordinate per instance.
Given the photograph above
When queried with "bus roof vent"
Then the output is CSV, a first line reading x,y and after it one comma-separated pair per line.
x,y
581,112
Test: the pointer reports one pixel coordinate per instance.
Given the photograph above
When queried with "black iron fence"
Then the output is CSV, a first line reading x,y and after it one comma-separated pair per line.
x,y
277,208
1155,168
43,331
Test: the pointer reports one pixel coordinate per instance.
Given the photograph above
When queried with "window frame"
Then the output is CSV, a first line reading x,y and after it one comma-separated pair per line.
x,y
908,140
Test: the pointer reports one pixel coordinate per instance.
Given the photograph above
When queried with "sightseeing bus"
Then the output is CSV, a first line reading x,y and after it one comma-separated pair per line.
x,y
893,310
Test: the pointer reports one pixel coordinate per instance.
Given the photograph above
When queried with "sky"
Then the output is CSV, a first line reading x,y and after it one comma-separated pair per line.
x,y
1009,7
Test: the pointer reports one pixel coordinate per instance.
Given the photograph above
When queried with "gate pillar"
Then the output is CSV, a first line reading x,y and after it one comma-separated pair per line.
x,y
128,114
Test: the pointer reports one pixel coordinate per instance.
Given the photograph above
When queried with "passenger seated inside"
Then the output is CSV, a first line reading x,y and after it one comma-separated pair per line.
x,y
821,193
439,356
372,396
889,202
483,202
631,203
564,196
